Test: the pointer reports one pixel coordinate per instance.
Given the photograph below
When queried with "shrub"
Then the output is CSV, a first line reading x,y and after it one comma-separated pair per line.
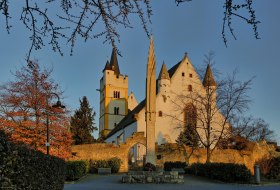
x,y
149,167
226,172
113,163
265,164
24,168
274,172
169,165
75,169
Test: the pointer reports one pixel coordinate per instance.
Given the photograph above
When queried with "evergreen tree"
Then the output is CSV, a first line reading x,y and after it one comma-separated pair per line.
x,y
82,123
188,137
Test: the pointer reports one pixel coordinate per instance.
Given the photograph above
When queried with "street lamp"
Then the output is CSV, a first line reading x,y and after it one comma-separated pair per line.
x,y
57,105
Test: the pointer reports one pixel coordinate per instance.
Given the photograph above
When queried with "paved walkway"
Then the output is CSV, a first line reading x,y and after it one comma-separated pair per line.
x,y
112,182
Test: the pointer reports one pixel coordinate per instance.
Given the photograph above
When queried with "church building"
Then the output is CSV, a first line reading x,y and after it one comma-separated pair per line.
x,y
121,115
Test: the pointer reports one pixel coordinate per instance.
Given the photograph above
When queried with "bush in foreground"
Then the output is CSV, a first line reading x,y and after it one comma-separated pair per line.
x,y
113,163
149,167
75,170
274,172
24,168
169,165
226,172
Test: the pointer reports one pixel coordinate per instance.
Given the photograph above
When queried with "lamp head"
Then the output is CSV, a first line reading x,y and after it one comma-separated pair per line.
x,y
58,105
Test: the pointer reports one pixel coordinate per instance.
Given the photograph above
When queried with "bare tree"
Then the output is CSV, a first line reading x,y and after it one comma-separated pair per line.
x,y
253,129
214,105
83,16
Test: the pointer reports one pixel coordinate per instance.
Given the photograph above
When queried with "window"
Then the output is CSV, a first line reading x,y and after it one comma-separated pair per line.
x,y
190,88
190,116
115,124
183,74
116,110
160,113
190,75
116,94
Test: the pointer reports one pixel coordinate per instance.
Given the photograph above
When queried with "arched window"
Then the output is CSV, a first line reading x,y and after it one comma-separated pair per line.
x,y
190,115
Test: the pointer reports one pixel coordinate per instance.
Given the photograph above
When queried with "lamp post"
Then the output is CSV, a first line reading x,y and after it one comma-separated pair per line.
x,y
57,105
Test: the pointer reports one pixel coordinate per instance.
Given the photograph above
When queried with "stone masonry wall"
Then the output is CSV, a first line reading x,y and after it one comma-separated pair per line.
x,y
170,152
248,157
104,151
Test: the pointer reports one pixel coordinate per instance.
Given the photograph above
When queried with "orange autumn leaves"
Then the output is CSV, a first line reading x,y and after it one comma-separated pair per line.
x,y
24,109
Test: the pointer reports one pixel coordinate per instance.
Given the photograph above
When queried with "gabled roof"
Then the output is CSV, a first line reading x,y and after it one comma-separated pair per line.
x,y
173,69
208,78
128,119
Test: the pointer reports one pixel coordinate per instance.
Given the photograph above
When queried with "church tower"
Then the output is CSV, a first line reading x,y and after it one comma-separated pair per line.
x,y
113,96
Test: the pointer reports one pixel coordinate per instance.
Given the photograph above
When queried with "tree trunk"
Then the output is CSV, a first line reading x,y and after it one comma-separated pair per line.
x,y
208,155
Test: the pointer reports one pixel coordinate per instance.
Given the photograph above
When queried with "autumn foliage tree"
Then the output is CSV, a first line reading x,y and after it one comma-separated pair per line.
x,y
24,108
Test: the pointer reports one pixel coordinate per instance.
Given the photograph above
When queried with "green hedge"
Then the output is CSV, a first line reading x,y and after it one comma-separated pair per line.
x,y
113,163
23,168
226,172
274,172
169,165
75,170
149,167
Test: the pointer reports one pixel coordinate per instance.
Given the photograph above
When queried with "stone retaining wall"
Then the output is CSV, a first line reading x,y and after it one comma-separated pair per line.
x,y
170,152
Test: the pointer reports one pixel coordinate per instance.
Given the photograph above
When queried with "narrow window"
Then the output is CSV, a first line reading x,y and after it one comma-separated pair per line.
x,y
116,110
190,75
115,124
190,88
160,113
183,74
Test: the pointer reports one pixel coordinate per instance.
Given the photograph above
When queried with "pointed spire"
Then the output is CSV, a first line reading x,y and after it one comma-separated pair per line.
x,y
114,62
151,54
107,66
163,73
208,78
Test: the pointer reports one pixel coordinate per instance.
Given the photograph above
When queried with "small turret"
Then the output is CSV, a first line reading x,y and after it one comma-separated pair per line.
x,y
208,78
163,73
163,82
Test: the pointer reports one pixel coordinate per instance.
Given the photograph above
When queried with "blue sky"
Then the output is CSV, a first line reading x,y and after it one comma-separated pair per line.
x,y
193,27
